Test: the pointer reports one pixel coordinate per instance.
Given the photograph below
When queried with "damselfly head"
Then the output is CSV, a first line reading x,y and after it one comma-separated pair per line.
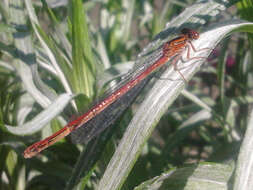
x,y
192,34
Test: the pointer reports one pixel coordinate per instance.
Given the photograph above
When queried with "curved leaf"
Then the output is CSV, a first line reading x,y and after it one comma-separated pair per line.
x,y
204,176
24,51
156,103
43,118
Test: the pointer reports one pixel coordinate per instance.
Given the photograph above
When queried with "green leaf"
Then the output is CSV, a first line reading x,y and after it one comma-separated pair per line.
x,y
38,122
83,75
244,167
156,103
61,68
203,176
25,54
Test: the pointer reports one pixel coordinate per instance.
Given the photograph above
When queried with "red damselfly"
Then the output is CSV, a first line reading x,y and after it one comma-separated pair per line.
x,y
103,114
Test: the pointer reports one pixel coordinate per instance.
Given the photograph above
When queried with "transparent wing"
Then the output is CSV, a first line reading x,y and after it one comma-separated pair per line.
x,y
107,117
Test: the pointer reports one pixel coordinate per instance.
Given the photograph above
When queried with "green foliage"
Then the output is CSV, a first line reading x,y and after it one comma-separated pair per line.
x,y
55,60
83,63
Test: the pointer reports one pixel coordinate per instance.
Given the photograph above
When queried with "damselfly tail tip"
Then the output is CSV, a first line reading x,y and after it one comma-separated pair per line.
x,y
30,152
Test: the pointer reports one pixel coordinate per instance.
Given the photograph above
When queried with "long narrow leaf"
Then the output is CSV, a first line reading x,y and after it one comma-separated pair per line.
x,y
244,167
43,118
156,103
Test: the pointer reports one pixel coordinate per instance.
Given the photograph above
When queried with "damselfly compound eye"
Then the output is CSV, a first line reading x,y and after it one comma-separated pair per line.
x,y
192,34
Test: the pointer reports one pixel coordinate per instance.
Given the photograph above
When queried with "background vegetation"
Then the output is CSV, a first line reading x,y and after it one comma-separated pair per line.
x,y
52,52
